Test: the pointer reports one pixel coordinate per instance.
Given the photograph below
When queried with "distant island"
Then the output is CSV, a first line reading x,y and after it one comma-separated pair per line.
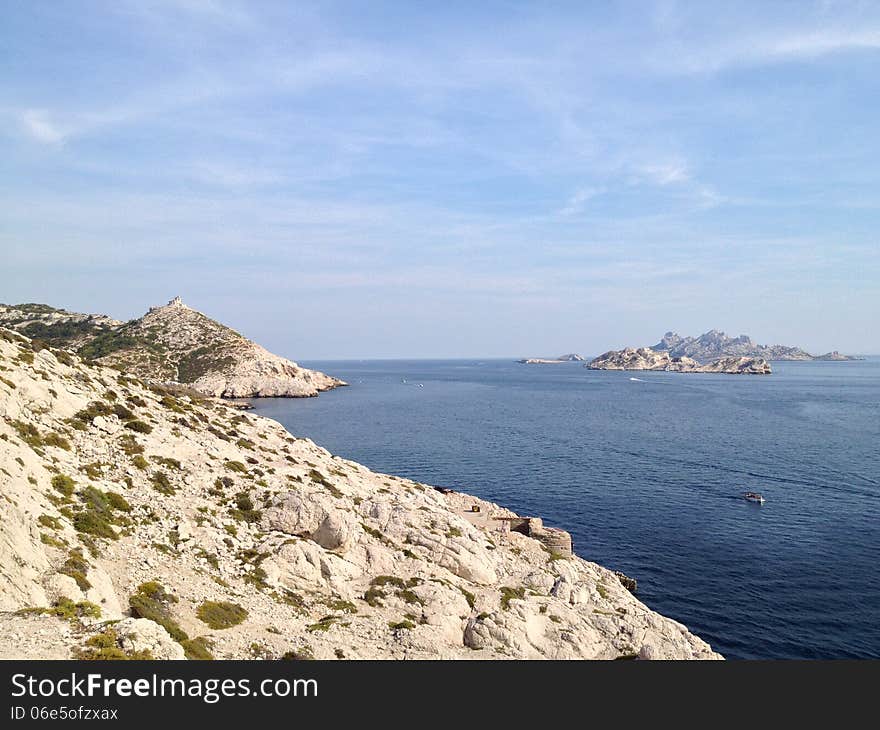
x,y
646,358
571,357
715,344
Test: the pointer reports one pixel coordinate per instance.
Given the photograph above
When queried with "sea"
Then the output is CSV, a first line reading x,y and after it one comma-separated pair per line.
x,y
646,470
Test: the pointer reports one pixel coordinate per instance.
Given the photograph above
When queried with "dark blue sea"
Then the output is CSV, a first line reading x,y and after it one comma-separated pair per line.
x,y
645,469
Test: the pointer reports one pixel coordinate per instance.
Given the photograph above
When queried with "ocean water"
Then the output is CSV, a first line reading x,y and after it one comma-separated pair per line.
x,y
645,471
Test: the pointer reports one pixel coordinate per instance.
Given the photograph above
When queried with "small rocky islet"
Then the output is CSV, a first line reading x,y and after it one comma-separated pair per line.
x,y
147,518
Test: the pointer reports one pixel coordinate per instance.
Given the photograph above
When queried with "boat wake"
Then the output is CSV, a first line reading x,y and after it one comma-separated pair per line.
x,y
637,380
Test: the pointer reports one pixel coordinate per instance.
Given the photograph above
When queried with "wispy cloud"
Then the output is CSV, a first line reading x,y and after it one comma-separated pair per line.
x,y
38,126
664,173
578,200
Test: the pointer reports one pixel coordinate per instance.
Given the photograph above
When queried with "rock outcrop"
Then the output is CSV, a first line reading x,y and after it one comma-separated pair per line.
x,y
714,344
644,358
172,343
213,532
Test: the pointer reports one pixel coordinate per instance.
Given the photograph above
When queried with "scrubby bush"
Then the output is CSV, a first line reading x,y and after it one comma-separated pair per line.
x,y
139,427
151,601
221,614
161,483
56,440
198,648
63,484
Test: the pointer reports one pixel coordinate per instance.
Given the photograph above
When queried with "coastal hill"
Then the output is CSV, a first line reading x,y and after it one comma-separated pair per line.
x,y
147,521
644,358
172,343
714,344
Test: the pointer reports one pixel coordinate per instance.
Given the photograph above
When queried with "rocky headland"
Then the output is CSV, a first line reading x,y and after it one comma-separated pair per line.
x,y
172,343
143,520
645,358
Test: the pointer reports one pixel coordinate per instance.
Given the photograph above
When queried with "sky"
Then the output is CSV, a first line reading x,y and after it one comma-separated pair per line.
x,y
456,179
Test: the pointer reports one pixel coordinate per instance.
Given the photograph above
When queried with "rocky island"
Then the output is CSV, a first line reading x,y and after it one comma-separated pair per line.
x,y
644,358
173,343
552,360
715,344
145,520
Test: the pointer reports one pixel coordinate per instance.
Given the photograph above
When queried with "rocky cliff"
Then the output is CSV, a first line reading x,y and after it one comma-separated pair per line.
x,y
143,521
715,344
172,343
644,358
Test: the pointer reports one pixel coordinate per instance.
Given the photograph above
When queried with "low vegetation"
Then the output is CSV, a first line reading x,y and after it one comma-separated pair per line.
x,y
220,614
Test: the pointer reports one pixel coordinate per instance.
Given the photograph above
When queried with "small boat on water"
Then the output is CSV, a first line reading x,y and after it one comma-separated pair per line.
x,y
754,497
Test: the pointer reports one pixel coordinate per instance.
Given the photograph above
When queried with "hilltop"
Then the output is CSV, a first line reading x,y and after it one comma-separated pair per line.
x,y
145,521
714,344
172,343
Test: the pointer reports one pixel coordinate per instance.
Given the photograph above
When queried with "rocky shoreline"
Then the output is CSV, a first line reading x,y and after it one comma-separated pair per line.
x,y
146,521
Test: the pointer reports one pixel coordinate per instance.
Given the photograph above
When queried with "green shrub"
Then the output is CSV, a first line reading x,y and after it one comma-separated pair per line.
x,y
373,596
139,427
51,541
161,483
63,484
151,601
117,502
299,655
56,440
508,594
28,433
140,462
77,568
198,648
341,605
65,608
244,509
220,614
121,412
236,466
92,523
105,647
92,410
48,521
323,624
93,470
401,625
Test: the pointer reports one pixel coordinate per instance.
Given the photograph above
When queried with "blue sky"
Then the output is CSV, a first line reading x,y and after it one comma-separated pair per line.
x,y
448,179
